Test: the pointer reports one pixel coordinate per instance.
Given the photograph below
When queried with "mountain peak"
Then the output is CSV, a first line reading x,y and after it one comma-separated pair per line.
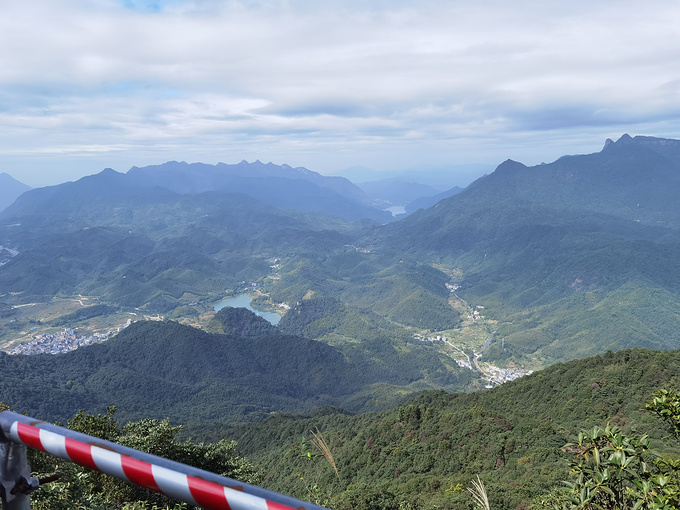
x,y
510,165
625,139
661,145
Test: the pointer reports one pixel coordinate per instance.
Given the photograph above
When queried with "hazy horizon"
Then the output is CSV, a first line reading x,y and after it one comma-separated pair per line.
x,y
387,85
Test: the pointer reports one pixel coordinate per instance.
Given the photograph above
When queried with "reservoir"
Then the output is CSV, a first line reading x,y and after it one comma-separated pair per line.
x,y
243,301
396,210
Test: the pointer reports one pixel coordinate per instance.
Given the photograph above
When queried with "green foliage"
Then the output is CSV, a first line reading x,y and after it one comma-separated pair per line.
x,y
612,469
84,314
511,436
666,405
81,488
155,369
239,322
371,497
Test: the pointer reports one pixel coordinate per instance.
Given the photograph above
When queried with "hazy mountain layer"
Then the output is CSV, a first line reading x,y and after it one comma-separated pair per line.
x,y
280,186
573,258
10,190
426,202
395,191
130,245
566,259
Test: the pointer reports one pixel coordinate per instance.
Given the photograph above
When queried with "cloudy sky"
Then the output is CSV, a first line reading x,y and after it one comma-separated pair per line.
x,y
328,84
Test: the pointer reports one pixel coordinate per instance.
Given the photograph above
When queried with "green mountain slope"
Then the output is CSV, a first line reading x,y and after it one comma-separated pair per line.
x,y
402,291
159,369
510,436
133,246
560,254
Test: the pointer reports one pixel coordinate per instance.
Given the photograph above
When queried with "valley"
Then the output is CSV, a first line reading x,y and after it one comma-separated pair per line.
x,y
43,336
540,268
366,255
467,344
32,324
474,336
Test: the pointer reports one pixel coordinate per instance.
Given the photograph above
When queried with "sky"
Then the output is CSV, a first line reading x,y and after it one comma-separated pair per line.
x,y
385,84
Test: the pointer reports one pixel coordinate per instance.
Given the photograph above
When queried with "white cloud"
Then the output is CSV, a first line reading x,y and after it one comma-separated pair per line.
x,y
332,83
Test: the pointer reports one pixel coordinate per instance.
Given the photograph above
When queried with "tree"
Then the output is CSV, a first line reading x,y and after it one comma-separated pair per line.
x,y
79,487
614,470
666,405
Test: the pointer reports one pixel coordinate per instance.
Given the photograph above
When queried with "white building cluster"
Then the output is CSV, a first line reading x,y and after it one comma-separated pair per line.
x,y
63,341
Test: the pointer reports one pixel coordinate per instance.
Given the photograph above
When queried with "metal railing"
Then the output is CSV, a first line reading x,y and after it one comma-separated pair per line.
x,y
179,481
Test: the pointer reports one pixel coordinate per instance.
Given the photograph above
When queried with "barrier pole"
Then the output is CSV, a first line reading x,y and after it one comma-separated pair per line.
x,y
179,481
15,477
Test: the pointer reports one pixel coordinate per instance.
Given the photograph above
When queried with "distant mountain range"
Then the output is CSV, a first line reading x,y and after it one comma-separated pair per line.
x,y
570,258
435,176
573,257
10,189
281,186
633,178
527,266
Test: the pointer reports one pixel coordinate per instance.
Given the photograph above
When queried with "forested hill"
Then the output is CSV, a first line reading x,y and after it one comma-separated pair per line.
x,y
131,246
160,369
635,179
573,258
425,452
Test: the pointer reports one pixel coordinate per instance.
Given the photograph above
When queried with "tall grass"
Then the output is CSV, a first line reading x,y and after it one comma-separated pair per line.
x,y
479,494
322,446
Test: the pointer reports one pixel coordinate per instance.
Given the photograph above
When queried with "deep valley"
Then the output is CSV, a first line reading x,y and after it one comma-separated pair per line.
x,y
475,336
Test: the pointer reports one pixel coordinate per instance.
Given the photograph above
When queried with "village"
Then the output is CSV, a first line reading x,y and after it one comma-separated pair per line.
x,y
63,341
493,374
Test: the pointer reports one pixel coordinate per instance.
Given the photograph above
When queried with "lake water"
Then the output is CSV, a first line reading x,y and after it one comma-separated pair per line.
x,y
243,301
396,210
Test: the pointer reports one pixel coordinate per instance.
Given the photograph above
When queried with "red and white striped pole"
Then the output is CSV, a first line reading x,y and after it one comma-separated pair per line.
x,y
191,485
